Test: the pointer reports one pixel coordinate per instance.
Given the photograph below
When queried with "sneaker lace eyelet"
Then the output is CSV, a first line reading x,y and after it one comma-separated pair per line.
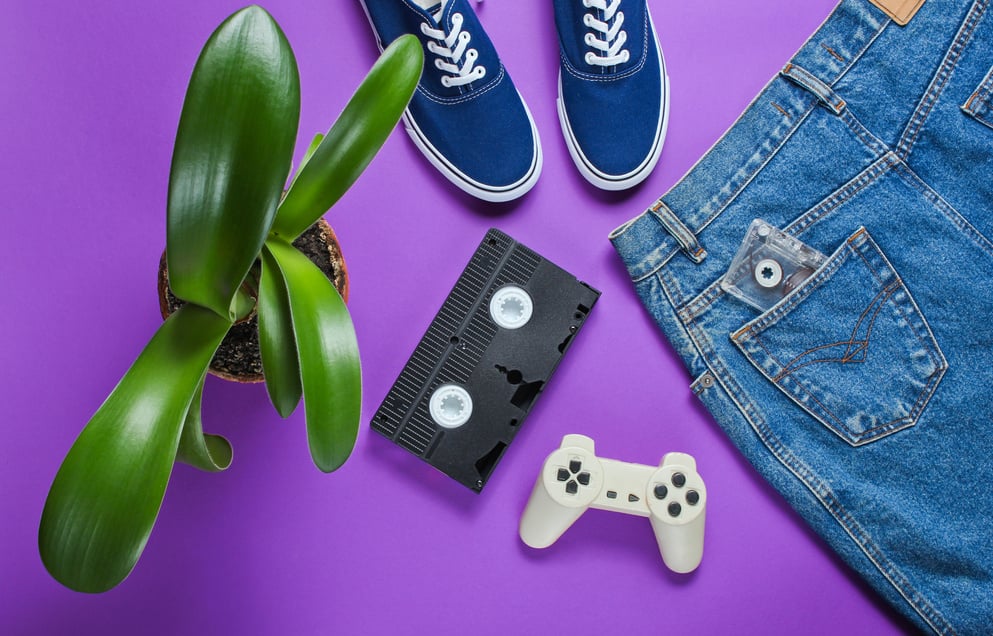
x,y
605,35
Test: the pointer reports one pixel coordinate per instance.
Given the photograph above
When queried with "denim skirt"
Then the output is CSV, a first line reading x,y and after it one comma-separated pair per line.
x,y
864,394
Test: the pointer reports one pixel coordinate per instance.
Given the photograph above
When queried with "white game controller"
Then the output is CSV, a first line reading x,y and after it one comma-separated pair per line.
x,y
672,495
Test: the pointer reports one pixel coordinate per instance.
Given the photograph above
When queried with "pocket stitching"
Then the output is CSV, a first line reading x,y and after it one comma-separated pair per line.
x,y
856,438
878,302
762,323
978,104
906,309
867,435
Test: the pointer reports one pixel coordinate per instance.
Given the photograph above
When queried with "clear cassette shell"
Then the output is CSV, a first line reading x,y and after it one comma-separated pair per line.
x,y
768,266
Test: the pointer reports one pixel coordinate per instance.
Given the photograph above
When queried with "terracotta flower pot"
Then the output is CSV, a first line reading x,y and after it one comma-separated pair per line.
x,y
238,358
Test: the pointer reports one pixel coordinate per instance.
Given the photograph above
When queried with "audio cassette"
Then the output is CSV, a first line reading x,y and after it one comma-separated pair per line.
x,y
485,359
769,265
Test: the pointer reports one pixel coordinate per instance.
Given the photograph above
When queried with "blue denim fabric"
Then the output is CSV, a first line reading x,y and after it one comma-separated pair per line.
x,y
864,395
480,135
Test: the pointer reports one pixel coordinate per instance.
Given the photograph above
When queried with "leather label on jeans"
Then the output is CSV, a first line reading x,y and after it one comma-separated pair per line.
x,y
900,10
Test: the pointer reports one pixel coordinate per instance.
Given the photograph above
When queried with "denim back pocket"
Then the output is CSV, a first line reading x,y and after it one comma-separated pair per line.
x,y
850,346
980,102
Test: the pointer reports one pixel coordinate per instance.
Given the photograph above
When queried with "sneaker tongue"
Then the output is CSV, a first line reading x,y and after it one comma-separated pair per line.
x,y
438,9
434,7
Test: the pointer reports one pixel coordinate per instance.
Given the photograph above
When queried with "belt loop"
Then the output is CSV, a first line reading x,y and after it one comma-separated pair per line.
x,y
683,235
805,79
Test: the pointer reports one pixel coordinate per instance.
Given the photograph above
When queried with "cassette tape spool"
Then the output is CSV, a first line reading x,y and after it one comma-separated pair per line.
x,y
768,266
487,355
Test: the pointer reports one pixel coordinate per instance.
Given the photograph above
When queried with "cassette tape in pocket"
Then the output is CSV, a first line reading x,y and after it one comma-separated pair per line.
x,y
768,266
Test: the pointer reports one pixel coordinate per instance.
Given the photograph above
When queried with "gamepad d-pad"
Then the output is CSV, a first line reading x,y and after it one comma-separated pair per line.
x,y
572,479
574,476
574,473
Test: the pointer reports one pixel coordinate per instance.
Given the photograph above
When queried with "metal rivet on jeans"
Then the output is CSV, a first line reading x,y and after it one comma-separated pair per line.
x,y
707,380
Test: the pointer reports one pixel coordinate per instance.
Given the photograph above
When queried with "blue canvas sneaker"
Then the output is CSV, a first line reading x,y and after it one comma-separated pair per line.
x,y
613,89
466,115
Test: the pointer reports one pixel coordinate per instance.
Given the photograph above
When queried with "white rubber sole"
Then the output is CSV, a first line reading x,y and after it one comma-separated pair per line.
x,y
612,182
491,193
486,192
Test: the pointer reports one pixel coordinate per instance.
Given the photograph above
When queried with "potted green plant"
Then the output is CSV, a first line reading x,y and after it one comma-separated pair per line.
x,y
230,253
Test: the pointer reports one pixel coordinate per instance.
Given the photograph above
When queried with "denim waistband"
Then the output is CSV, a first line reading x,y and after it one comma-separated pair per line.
x,y
671,225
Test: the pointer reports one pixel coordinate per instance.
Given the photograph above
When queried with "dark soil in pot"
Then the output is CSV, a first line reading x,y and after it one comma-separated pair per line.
x,y
238,357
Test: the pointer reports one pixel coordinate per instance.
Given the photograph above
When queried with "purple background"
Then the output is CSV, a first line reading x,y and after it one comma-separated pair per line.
x,y
90,95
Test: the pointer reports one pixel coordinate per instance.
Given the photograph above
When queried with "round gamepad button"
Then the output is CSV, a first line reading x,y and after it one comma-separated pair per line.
x,y
575,466
562,475
675,509
584,478
692,497
572,488
661,492
678,480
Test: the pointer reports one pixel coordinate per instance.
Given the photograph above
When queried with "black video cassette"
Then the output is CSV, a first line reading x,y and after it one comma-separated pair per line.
x,y
484,360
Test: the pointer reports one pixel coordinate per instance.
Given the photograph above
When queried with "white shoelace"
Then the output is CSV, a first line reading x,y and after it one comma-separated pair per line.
x,y
453,55
611,41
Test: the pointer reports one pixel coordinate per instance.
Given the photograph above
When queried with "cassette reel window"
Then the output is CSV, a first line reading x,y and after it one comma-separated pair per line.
x,y
450,406
511,307
768,266
485,359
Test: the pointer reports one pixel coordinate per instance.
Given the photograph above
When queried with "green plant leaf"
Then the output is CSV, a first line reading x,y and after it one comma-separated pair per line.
x,y
107,493
233,152
329,357
311,149
280,363
354,139
211,453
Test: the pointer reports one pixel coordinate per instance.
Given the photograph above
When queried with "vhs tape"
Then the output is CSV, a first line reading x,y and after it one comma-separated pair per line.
x,y
484,360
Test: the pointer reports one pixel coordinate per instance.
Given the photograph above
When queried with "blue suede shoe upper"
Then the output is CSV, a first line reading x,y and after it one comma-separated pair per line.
x,y
614,112
466,114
